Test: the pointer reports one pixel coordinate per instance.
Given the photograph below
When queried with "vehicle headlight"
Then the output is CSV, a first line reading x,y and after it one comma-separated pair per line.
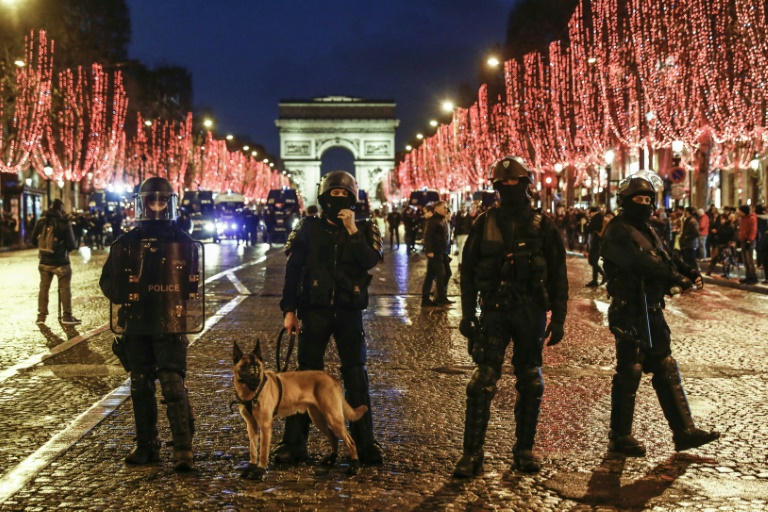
x,y
209,226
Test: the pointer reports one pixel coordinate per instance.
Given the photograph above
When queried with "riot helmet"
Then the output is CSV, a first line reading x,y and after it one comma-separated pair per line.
x,y
510,167
518,196
333,180
155,200
642,182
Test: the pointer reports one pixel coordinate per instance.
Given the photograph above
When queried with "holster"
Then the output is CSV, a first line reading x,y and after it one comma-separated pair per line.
x,y
119,349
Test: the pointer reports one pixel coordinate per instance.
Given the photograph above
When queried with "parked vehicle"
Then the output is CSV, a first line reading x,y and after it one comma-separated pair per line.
x,y
282,213
228,208
421,198
486,197
199,208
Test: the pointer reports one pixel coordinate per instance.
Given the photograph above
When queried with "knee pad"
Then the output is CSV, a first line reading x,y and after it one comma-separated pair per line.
x,y
483,381
172,386
531,382
666,369
142,383
628,376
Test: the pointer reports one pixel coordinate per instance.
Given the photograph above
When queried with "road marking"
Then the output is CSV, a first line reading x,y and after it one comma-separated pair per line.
x,y
26,470
39,358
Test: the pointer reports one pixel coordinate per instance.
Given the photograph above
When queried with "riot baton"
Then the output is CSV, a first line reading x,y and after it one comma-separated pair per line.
x,y
645,310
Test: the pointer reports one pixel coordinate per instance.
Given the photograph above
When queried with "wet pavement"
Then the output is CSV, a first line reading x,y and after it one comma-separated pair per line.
x,y
66,423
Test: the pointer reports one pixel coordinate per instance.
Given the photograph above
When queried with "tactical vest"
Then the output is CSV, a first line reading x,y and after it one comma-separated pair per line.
x,y
512,270
626,285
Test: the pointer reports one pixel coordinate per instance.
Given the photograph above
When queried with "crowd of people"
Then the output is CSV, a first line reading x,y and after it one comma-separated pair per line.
x,y
731,237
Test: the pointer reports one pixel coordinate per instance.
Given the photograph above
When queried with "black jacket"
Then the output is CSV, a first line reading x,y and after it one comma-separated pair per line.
x,y
634,253
328,267
64,235
523,226
436,237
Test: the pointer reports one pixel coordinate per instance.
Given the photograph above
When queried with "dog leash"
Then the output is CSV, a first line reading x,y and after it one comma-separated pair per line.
x,y
291,344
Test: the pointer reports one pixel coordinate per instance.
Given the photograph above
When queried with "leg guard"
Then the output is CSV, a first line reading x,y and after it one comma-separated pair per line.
x,y
530,389
179,418
356,393
481,389
623,392
669,389
145,415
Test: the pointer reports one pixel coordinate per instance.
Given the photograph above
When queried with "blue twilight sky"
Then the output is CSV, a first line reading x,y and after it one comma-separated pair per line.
x,y
246,55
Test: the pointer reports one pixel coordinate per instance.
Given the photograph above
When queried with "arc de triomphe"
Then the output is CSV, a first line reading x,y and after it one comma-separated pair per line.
x,y
309,128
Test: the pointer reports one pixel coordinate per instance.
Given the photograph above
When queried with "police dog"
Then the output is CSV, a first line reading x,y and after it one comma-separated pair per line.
x,y
263,396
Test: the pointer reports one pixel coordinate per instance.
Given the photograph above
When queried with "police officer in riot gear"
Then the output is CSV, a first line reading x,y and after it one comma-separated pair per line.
x,y
152,347
640,271
326,288
514,260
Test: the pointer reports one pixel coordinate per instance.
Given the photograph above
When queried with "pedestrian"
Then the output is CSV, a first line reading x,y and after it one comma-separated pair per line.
x,y
54,261
703,220
326,287
762,240
724,233
594,227
641,270
437,246
393,221
463,224
689,237
154,347
747,237
514,259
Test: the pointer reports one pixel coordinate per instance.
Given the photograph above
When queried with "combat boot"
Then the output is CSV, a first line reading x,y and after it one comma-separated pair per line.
x,y
623,394
480,392
669,389
530,389
145,415
525,460
356,388
293,447
180,419
688,439
626,445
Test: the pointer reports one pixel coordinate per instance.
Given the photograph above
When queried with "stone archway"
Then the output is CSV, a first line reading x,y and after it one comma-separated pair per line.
x,y
308,128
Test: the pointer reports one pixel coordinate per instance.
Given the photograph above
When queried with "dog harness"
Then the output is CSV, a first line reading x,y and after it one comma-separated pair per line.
x,y
258,389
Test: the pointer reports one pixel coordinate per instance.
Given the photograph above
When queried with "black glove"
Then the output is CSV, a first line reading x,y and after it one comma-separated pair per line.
x,y
681,284
555,333
467,326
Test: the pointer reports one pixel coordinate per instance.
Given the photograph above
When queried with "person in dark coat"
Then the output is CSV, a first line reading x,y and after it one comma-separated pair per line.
x,y
641,270
689,237
594,227
55,263
437,247
326,288
514,260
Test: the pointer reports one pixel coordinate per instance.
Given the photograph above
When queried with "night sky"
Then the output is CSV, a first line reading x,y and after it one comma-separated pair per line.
x,y
245,55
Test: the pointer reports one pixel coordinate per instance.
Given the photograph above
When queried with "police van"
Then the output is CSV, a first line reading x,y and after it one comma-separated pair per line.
x,y
198,207
228,208
282,213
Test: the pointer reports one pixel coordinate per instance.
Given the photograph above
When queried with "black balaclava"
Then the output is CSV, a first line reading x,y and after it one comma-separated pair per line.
x,y
514,196
637,212
332,205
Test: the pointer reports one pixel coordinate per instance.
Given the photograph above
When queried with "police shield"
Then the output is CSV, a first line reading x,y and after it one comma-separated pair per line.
x,y
159,287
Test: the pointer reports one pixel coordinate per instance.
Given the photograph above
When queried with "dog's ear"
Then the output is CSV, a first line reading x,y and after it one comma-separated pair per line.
x,y
257,350
237,354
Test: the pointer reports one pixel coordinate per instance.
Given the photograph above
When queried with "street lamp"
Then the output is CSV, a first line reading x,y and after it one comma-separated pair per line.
x,y
448,106
48,171
678,146
207,123
493,61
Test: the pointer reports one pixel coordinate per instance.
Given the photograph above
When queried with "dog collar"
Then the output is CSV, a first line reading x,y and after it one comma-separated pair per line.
x,y
249,403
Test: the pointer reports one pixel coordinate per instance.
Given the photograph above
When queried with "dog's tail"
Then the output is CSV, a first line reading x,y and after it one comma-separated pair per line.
x,y
354,414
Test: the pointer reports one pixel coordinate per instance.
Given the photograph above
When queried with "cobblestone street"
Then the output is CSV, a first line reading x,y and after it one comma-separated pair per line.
x,y
66,424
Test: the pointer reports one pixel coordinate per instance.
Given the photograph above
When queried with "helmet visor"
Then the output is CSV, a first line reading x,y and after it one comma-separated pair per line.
x,y
155,206
628,185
